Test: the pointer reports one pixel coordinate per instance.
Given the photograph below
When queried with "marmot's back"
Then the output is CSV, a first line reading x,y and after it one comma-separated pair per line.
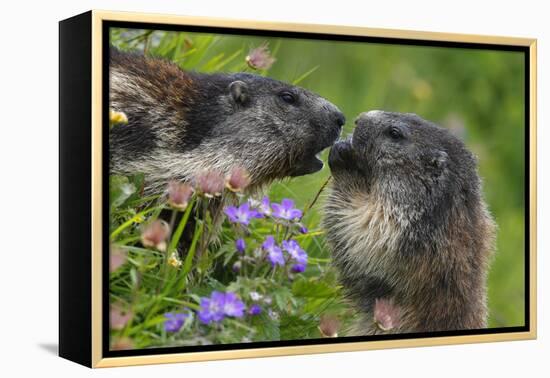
x,y
409,230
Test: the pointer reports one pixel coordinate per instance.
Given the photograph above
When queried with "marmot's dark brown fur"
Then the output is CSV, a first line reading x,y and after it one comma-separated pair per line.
x,y
182,123
410,232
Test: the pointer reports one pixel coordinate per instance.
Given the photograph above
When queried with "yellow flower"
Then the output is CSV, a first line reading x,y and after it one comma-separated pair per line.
x,y
174,260
116,118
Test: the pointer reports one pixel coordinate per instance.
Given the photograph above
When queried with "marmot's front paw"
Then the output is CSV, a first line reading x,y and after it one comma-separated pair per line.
x,y
340,157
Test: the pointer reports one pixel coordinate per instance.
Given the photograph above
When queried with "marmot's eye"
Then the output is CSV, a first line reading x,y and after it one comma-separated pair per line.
x,y
288,97
395,133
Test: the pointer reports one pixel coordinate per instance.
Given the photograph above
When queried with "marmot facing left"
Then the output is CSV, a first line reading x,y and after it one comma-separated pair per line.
x,y
182,123
408,227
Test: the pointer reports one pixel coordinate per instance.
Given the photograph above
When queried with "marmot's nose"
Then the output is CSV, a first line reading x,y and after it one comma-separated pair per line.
x,y
340,119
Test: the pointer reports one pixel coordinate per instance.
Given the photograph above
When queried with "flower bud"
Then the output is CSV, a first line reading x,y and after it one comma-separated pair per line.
x,y
117,258
240,245
122,343
329,325
118,316
237,180
386,314
179,195
260,58
255,309
154,235
209,183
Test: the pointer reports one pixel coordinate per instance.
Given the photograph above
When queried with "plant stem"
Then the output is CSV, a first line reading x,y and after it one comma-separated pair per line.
x,y
129,222
312,203
189,258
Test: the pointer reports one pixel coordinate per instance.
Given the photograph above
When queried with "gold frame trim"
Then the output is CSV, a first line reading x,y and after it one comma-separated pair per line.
x,y
99,16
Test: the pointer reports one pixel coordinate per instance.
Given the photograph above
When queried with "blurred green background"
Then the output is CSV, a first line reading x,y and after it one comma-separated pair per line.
x,y
477,94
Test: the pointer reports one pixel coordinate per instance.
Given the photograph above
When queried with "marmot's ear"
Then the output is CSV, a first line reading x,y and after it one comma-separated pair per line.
x,y
239,91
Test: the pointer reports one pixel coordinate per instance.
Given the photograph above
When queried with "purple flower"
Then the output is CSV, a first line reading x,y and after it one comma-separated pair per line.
x,y
233,306
297,254
298,268
240,245
220,305
174,321
274,252
265,206
286,210
242,214
303,229
295,251
255,310
212,308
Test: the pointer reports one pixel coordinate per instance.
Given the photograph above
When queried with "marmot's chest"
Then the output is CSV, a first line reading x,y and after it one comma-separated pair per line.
x,y
368,234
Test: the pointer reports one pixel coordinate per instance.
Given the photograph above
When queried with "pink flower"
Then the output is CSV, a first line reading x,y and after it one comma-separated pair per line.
x,y
155,234
179,194
386,314
329,325
237,180
210,183
119,317
122,343
117,258
260,58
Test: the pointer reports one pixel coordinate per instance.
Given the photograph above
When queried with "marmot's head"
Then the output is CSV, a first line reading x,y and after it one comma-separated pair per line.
x,y
272,128
402,187
181,123
413,165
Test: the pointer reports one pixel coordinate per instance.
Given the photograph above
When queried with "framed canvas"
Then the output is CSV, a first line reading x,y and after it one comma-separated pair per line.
x,y
234,189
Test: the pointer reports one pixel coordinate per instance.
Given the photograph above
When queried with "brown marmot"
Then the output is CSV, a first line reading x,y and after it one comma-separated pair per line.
x,y
181,123
408,227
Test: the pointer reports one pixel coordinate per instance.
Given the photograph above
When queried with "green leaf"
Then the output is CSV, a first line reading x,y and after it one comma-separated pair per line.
x,y
191,253
298,327
313,288
181,226
120,189
305,75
